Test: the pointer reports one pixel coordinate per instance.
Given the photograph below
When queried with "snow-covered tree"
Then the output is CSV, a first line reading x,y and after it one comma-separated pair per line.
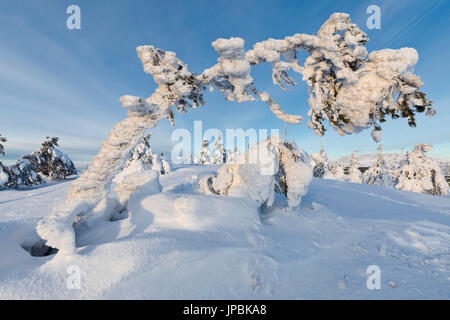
x,y
142,154
2,141
336,172
160,164
188,158
219,155
354,174
156,163
419,173
4,177
204,156
446,168
19,175
274,165
51,162
139,160
378,174
166,169
338,73
320,161
233,155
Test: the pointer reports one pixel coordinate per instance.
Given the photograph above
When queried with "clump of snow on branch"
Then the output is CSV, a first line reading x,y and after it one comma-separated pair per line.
x,y
419,173
176,85
349,90
231,76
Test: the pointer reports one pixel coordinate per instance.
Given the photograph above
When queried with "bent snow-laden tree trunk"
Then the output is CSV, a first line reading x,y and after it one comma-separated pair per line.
x,y
353,91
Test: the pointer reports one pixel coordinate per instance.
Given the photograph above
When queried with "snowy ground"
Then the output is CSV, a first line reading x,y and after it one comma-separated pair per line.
x,y
184,244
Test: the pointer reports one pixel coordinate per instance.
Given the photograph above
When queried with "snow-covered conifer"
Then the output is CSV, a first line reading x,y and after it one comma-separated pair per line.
x,y
419,173
51,162
2,148
233,155
219,151
22,175
142,153
204,157
19,175
188,158
156,163
4,176
320,161
378,174
354,174
336,172
166,169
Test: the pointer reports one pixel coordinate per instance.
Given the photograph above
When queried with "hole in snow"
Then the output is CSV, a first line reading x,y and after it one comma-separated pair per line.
x,y
39,249
116,216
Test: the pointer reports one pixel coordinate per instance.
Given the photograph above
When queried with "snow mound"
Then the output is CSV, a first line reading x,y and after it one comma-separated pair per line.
x,y
271,165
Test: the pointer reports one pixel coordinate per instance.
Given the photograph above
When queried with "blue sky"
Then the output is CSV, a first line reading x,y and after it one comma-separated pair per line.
x,y
67,83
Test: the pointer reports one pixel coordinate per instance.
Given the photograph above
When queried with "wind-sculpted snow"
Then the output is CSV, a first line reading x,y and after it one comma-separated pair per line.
x,y
271,165
347,89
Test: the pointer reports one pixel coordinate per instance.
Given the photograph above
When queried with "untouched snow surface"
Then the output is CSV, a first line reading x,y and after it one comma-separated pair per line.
x,y
184,244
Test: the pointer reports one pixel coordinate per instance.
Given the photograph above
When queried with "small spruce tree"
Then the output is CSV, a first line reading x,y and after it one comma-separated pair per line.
x,y
204,157
378,174
2,141
4,177
336,172
142,154
219,151
320,161
166,169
